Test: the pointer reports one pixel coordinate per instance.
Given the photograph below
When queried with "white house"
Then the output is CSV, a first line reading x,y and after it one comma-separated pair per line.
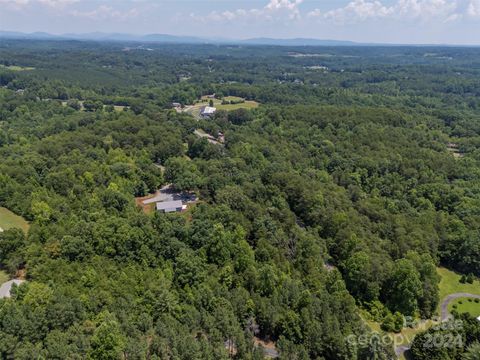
x,y
170,206
207,111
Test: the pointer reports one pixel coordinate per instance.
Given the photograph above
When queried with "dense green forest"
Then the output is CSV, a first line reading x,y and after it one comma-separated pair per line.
x,y
336,199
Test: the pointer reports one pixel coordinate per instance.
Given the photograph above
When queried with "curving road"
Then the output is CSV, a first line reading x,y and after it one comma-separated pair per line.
x,y
399,350
448,299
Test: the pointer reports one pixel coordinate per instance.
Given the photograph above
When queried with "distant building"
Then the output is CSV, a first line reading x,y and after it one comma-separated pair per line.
x,y
207,111
176,105
170,206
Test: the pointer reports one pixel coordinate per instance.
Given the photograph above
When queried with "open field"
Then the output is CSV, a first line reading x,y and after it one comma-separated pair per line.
x,y
16,68
466,305
245,105
194,110
82,108
233,98
9,220
450,284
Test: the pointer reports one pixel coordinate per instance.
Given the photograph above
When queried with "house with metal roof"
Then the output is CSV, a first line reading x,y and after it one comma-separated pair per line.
x,y
207,111
170,206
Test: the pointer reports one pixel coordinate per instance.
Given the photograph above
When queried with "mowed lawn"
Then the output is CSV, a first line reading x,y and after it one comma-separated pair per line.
x,y
466,305
3,277
9,220
248,104
450,284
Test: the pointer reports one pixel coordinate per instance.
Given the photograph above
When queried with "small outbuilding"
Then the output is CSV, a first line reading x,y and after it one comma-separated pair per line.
x,y
170,206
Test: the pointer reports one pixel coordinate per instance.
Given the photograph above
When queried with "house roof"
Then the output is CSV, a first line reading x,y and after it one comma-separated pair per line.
x,y
6,287
207,110
165,205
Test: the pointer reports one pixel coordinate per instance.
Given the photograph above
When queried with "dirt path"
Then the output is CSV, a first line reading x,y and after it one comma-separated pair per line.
x,y
448,299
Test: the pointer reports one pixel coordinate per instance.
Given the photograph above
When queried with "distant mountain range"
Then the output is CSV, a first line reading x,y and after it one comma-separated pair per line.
x,y
171,39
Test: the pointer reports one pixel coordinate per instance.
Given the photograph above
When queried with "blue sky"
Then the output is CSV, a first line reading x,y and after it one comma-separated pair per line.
x,y
387,21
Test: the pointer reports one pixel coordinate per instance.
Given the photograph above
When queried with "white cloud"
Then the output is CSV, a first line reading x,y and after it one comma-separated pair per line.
x,y
291,6
14,4
315,13
57,3
106,12
283,4
275,9
425,8
51,3
473,8
358,10
362,10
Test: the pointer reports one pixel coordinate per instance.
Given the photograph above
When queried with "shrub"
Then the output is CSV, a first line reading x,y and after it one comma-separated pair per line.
x,y
470,278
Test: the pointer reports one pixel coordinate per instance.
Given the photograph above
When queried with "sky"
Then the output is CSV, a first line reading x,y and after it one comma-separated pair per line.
x,y
379,21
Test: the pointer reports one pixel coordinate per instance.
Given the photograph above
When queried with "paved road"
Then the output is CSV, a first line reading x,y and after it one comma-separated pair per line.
x,y
400,349
7,286
444,306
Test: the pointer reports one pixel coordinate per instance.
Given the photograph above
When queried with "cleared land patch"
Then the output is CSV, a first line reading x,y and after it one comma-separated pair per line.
x,y
450,284
16,67
9,220
3,277
465,305
82,108
249,104
240,103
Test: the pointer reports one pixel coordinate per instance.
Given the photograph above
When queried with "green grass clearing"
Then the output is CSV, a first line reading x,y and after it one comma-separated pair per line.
x,y
9,220
195,109
82,108
3,277
246,105
233,98
17,68
450,284
465,305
